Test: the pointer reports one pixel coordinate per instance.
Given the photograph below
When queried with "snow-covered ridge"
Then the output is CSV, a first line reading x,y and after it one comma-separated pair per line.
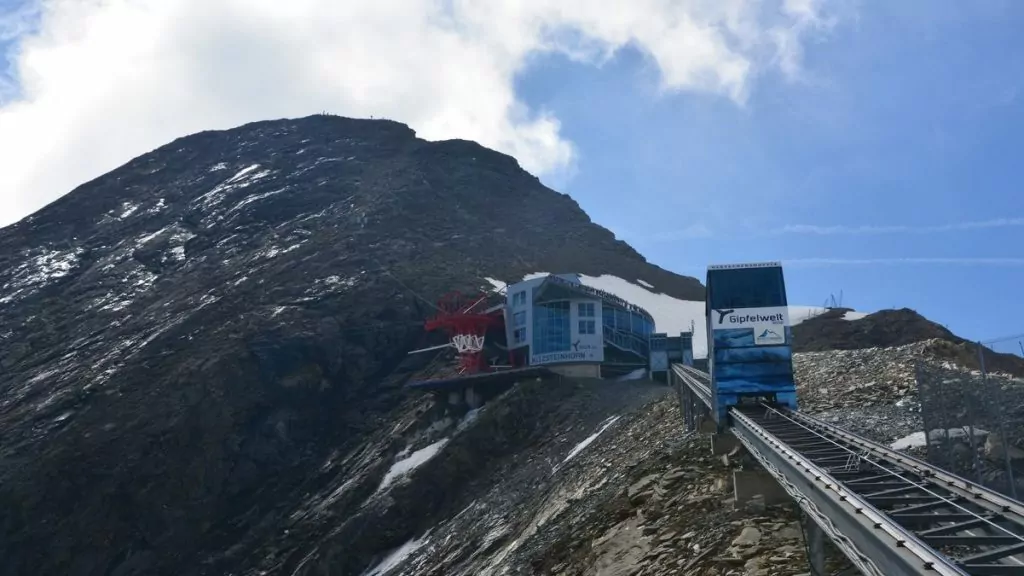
x,y
798,314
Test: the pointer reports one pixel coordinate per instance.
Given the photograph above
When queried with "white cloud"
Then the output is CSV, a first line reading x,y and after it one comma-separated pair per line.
x,y
105,80
805,16
899,228
825,262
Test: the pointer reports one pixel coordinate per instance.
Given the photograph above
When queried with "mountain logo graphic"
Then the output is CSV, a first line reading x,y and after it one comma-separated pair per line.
x,y
769,334
723,313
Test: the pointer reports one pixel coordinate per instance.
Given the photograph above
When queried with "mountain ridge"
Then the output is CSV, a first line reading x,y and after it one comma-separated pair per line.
x,y
195,332
203,352
893,328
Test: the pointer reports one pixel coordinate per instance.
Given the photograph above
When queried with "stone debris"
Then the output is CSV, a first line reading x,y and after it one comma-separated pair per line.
x,y
643,499
646,499
875,391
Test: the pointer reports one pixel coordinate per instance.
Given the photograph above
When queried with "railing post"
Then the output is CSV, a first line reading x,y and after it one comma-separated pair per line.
x,y
1002,422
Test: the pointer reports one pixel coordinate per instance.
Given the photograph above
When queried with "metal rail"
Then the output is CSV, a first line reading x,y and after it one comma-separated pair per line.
x,y
890,513
698,382
907,516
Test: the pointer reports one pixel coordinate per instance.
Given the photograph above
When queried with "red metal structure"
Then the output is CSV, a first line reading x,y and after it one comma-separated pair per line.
x,y
466,328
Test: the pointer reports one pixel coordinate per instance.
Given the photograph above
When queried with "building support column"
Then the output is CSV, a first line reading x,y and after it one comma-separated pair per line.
x,y
815,547
473,400
454,398
749,484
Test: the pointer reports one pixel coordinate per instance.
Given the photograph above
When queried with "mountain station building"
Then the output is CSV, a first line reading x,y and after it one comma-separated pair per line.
x,y
558,322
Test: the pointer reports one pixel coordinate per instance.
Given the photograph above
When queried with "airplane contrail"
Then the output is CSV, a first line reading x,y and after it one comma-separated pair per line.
x,y
899,229
823,262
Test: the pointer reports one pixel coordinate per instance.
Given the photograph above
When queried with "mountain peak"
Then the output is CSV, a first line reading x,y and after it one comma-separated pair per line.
x,y
218,316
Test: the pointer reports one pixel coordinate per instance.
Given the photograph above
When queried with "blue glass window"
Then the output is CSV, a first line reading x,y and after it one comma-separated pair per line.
x,y
621,319
609,316
551,327
587,327
585,309
519,298
519,319
746,288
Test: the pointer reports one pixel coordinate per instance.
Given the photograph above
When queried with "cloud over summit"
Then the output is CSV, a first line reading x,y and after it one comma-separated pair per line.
x,y
91,84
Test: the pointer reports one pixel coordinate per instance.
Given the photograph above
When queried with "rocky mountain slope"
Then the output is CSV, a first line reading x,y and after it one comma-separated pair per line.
x,y
891,328
187,340
203,353
614,487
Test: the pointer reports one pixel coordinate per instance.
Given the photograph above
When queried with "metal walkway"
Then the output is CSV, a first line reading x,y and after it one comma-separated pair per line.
x,y
888,512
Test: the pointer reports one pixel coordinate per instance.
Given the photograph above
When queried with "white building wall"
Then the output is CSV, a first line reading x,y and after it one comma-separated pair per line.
x,y
592,344
515,305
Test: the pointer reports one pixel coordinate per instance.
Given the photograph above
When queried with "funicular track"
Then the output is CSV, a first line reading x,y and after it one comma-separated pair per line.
x,y
890,513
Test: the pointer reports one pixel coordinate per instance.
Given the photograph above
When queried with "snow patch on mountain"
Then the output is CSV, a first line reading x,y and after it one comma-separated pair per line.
x,y
255,197
160,205
37,271
275,251
413,461
244,178
134,282
127,209
798,314
671,315
917,439
397,556
590,439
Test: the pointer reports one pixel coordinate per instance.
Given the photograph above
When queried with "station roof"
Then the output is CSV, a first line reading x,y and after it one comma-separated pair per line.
x,y
554,288
746,265
500,378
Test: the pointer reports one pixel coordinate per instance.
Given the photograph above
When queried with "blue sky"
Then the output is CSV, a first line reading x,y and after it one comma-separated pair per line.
x,y
884,169
912,116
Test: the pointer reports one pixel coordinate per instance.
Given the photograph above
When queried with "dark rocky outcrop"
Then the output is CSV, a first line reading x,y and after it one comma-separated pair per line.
x,y
830,331
186,340
890,328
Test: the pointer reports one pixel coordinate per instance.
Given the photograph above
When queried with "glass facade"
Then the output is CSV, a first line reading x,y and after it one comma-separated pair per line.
x,y
551,327
555,315
746,288
625,321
